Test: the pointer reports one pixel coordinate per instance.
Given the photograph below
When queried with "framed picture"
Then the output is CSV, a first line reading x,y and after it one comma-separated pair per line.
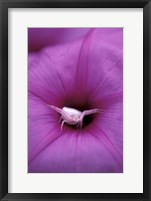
x,y
75,101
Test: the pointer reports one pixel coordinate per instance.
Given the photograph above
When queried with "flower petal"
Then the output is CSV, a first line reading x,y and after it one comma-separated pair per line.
x,y
43,126
72,153
43,37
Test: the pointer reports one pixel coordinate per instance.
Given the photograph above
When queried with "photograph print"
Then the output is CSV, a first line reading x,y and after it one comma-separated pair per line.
x,y
75,100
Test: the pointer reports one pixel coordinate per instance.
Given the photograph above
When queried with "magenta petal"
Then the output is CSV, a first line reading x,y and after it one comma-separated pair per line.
x,y
51,75
105,65
71,153
41,125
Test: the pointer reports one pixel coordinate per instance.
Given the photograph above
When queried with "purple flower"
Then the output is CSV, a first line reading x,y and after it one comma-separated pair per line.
x,y
83,73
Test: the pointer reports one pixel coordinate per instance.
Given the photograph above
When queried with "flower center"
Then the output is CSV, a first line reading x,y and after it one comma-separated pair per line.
x,y
81,115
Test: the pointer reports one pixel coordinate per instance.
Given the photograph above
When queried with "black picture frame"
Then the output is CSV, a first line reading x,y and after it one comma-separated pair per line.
x,y
4,6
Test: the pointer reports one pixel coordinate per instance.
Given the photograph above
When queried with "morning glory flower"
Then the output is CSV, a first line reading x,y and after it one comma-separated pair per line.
x,y
83,73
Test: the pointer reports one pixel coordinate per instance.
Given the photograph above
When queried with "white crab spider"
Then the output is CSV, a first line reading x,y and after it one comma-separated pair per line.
x,y
73,116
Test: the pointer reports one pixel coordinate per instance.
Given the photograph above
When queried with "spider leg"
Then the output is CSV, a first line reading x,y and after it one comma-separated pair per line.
x,y
81,124
88,112
60,119
62,124
57,109
78,125
64,121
